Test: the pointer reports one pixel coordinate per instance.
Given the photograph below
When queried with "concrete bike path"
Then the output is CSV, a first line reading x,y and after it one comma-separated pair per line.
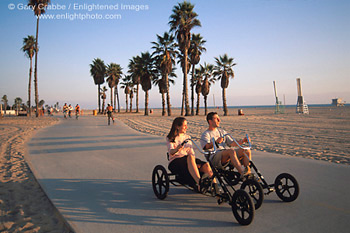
x,y
99,178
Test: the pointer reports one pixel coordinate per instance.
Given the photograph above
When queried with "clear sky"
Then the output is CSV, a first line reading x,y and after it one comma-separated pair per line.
x,y
269,40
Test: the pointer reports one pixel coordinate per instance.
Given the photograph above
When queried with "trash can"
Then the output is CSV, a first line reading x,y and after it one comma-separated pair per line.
x,y
94,112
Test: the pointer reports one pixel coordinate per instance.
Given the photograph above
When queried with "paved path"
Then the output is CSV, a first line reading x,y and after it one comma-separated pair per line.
x,y
99,177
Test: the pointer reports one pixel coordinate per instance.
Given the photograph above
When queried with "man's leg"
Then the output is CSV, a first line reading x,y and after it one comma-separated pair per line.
x,y
231,155
242,156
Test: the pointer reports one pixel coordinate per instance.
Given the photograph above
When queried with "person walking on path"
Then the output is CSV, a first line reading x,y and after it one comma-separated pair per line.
x,y
109,110
77,111
65,110
70,109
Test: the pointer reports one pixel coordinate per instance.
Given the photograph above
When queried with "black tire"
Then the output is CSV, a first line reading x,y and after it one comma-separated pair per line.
x,y
232,176
160,182
254,189
287,187
242,207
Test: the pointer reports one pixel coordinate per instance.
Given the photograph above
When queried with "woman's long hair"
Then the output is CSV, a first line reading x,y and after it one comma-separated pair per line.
x,y
174,132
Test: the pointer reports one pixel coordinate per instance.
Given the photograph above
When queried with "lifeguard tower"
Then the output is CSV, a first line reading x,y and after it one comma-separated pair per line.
x,y
302,107
338,102
279,108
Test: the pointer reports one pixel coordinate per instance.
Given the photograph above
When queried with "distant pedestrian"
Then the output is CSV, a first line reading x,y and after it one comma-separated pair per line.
x,y
77,111
70,109
109,110
65,110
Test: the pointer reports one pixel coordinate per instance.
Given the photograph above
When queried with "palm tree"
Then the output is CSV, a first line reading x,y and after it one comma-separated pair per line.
x,y
182,21
5,101
181,61
148,72
29,50
163,86
127,85
134,70
18,102
195,51
224,71
165,58
131,96
41,103
114,72
207,72
103,97
198,82
98,72
39,8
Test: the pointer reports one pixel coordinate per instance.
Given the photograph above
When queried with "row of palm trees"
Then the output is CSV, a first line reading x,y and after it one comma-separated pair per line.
x,y
159,66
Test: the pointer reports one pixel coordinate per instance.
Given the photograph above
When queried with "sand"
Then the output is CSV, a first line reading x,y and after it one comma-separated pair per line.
x,y
324,134
24,207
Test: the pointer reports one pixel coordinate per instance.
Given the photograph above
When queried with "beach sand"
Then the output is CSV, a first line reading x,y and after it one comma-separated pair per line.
x,y
24,207
324,134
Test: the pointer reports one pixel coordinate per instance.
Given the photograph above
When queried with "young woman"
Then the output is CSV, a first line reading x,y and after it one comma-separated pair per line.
x,y
182,160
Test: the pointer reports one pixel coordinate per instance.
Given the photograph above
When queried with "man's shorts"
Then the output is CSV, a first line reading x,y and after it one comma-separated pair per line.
x,y
216,159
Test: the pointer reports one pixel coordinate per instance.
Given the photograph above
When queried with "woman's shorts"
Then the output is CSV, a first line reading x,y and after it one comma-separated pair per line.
x,y
179,166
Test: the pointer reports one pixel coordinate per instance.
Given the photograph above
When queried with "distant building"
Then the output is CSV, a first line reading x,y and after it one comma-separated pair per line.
x,y
338,102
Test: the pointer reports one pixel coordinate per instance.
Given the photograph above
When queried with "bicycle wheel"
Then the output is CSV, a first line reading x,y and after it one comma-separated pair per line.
x,y
160,182
242,207
254,189
287,187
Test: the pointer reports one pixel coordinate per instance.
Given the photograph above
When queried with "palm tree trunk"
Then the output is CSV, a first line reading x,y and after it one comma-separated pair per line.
x,y
36,70
137,98
187,106
198,99
103,106
168,95
182,104
126,102
30,88
205,105
192,91
98,98
163,104
116,90
146,103
130,104
224,101
112,96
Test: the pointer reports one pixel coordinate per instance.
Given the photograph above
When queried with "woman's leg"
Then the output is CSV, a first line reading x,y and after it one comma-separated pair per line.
x,y
192,168
205,168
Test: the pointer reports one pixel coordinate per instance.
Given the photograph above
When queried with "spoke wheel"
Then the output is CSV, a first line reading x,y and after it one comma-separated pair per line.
x,y
242,207
254,189
287,187
160,182
232,176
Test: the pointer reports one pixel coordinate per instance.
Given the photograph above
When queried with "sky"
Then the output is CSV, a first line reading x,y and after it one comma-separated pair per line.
x,y
270,40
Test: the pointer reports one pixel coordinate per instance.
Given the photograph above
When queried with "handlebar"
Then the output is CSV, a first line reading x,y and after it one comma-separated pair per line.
x,y
244,148
206,153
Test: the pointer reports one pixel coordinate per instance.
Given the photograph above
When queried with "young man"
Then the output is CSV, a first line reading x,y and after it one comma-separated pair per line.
x,y
223,143
109,110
